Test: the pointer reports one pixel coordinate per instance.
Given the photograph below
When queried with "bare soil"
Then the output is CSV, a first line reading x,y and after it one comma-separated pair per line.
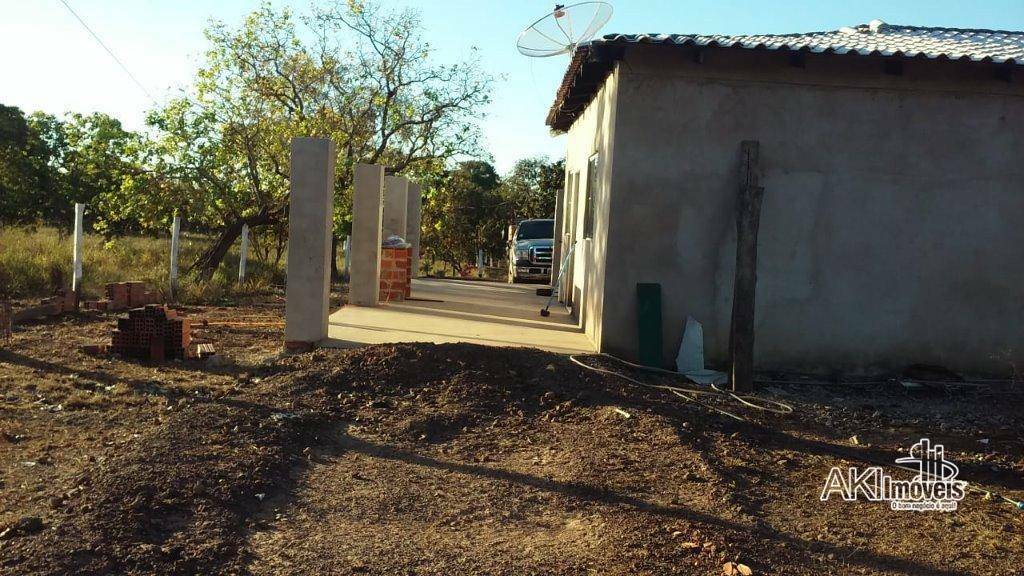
x,y
461,459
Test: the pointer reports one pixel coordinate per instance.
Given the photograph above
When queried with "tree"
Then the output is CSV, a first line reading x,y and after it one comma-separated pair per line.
x,y
462,214
28,180
93,155
531,187
365,81
48,163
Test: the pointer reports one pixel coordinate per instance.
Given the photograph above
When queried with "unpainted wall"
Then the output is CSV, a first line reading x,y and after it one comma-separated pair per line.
x,y
892,229
593,133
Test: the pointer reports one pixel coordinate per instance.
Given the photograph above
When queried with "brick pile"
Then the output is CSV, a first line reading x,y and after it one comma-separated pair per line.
x,y
153,333
395,274
125,295
61,302
5,320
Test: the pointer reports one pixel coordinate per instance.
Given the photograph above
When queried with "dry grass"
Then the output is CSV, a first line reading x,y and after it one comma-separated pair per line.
x,y
35,262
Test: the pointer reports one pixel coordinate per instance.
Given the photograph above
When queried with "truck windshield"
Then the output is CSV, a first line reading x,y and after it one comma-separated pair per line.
x,y
536,230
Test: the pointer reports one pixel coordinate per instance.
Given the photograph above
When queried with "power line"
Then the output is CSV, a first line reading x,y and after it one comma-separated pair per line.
x,y
109,51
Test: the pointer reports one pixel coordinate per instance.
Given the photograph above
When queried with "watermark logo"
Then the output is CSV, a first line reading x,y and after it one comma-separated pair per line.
x,y
935,486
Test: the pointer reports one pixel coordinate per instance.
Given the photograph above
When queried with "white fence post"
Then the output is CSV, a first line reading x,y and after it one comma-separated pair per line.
x,y
76,275
479,263
243,253
175,231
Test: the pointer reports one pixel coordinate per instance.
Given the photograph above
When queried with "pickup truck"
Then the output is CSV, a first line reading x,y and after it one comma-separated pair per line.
x,y
530,250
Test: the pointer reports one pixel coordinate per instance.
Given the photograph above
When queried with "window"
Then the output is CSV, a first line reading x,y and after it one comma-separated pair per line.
x,y
536,230
588,208
569,226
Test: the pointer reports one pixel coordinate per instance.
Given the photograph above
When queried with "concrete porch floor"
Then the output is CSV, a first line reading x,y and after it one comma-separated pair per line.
x,y
443,310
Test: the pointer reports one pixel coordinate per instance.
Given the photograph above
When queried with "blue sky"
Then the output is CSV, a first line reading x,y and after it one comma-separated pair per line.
x,y
52,64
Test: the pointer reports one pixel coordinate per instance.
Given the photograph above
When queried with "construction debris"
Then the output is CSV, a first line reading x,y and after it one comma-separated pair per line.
x,y
205,350
154,333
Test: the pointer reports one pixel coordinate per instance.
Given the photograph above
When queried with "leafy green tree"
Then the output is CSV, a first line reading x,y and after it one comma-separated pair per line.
x,y
350,72
531,187
462,214
48,163
28,181
93,155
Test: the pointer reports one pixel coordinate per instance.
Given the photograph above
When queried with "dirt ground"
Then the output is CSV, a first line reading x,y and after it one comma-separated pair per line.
x,y
461,459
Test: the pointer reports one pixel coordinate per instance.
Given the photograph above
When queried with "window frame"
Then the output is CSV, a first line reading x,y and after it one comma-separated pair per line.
x,y
593,164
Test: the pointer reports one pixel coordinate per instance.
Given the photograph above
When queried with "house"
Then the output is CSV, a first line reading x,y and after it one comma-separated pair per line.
x,y
892,223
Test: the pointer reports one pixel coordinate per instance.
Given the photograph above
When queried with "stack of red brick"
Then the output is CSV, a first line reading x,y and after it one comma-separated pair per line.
x,y
153,333
125,295
395,274
63,301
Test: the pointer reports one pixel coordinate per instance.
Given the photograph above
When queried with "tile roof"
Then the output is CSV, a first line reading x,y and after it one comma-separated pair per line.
x,y
876,38
873,39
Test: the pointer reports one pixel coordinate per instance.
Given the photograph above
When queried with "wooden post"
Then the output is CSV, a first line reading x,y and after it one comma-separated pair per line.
x,y
76,275
175,232
243,253
748,216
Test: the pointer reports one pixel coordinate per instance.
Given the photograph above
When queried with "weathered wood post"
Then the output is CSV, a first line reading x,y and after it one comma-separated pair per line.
x,y
175,244
243,253
76,269
748,216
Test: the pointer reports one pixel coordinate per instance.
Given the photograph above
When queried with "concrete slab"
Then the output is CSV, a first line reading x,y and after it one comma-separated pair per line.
x,y
441,311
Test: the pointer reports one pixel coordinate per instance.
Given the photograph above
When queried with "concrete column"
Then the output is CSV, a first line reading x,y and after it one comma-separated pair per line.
x,y
396,192
556,252
243,253
76,247
413,214
175,246
347,246
311,207
367,214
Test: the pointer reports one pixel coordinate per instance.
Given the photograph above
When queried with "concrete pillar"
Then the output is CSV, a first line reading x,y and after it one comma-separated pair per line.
x,y
367,214
175,246
243,253
413,214
396,192
556,252
76,247
310,211
347,247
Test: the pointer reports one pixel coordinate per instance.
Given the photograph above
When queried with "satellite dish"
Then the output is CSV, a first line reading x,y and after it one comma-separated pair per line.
x,y
564,28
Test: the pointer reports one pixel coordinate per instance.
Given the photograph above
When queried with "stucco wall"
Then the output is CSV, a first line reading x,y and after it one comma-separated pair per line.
x,y
892,229
593,133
